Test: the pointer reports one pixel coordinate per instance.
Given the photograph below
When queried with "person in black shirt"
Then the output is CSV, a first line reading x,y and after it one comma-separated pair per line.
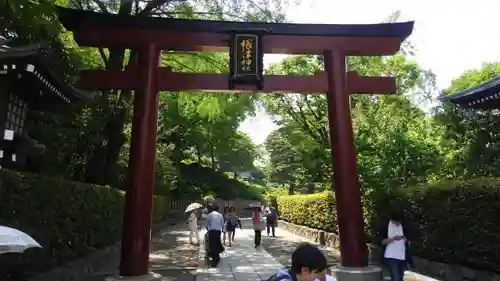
x,y
271,218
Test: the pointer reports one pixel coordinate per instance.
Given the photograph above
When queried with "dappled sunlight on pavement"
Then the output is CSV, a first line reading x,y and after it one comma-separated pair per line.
x,y
240,262
171,256
171,250
176,260
282,246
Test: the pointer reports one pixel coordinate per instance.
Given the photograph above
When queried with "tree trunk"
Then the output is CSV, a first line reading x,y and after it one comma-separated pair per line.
x,y
198,154
291,189
105,155
212,157
116,140
311,188
102,167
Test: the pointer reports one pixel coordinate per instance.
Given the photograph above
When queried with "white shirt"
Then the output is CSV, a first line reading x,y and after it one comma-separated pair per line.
x,y
193,219
330,278
396,249
214,221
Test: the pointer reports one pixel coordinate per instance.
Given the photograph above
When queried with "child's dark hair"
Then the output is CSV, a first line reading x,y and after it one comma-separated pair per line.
x,y
309,256
396,215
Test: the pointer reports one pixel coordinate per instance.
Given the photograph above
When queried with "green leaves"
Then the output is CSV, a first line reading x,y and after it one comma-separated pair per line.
x,y
471,136
312,210
454,222
396,142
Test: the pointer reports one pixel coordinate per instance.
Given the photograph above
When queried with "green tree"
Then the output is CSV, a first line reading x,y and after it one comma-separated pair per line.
x,y
102,167
471,137
396,143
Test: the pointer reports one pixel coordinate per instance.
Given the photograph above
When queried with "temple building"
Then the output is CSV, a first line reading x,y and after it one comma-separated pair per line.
x,y
483,96
27,82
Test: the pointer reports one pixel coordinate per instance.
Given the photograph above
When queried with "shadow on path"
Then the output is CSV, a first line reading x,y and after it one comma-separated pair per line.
x,y
281,248
171,256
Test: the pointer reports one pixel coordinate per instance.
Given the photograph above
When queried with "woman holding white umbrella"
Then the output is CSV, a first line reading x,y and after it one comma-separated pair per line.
x,y
192,209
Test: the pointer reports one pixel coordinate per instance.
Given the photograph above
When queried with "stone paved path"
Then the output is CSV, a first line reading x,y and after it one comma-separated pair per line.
x,y
282,246
240,262
171,256
176,260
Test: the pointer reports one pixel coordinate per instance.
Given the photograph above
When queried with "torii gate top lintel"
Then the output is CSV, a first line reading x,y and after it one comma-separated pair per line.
x,y
109,30
100,29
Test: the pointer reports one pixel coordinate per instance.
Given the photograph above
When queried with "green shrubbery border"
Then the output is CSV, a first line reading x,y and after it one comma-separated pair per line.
x,y
455,222
69,219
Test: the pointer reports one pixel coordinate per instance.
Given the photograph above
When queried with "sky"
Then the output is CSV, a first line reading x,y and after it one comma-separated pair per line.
x,y
450,36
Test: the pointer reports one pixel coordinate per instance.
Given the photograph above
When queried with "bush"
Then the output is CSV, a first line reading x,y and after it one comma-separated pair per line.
x,y
312,210
454,222
69,219
198,181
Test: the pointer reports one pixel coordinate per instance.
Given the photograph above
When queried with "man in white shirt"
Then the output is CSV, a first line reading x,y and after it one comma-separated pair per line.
x,y
395,245
214,222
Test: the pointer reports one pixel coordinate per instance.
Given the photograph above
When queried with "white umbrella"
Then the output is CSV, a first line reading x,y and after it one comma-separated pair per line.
x,y
15,241
192,207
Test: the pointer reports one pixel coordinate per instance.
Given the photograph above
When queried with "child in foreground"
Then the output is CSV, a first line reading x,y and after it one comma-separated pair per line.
x,y
308,264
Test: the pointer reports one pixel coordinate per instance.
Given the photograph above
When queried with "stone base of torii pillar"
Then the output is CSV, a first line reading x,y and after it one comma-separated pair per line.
x,y
369,273
151,276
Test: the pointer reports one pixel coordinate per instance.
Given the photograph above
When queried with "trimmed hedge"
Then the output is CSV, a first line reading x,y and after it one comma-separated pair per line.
x,y
69,219
312,210
455,222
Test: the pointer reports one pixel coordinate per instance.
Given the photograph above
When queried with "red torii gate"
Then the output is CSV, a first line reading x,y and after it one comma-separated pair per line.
x,y
149,36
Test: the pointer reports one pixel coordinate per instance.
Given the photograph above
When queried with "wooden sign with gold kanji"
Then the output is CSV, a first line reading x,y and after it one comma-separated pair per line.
x,y
246,57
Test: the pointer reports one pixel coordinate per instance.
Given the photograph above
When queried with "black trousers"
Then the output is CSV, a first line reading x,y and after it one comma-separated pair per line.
x,y
270,227
214,246
258,237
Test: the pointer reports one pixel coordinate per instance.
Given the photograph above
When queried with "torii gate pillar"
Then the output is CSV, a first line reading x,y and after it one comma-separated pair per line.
x,y
137,217
347,192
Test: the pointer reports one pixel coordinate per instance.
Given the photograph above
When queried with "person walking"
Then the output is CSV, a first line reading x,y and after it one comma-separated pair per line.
x,y
193,227
224,230
395,246
258,223
271,218
214,222
238,221
232,221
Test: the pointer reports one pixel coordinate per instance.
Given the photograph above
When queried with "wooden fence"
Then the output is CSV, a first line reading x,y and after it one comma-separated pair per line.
x,y
239,205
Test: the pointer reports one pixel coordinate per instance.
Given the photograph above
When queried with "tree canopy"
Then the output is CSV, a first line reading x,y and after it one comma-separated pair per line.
x,y
398,144
90,142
